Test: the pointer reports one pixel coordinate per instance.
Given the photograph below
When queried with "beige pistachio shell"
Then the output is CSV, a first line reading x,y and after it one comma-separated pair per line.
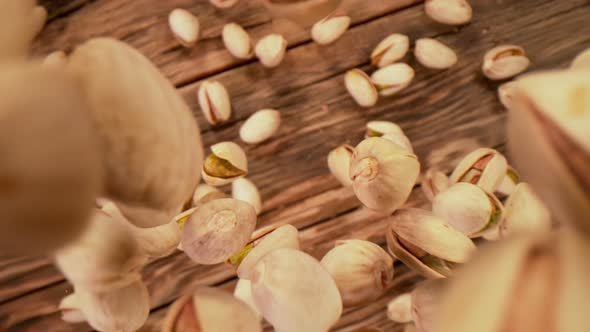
x,y
508,184
295,293
243,292
211,310
214,102
504,61
244,190
226,163
389,131
260,126
361,88
21,21
383,174
425,300
217,230
56,59
581,61
431,53
524,212
237,41
339,163
433,182
362,270
451,12
483,167
150,139
551,114
506,93
263,242
330,28
205,193
51,172
223,3
399,309
185,27
391,79
70,309
390,50
302,12
271,50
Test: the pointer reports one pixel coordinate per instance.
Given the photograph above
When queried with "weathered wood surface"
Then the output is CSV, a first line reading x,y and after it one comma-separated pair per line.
x,y
445,114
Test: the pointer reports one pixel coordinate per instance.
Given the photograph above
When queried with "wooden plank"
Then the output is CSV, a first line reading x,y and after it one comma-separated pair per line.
x,y
57,8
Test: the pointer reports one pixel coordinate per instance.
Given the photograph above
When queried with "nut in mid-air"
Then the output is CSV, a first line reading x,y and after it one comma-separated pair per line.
x,y
399,309
330,28
361,88
271,50
339,163
389,131
504,61
393,78
185,27
524,212
215,102
451,12
226,163
390,50
260,126
431,53
245,190
483,167
237,41
433,182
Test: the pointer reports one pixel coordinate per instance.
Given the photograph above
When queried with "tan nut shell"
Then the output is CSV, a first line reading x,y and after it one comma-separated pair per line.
x,y
260,126
339,163
244,190
433,182
389,131
303,13
390,50
214,102
524,212
205,193
271,50
361,88
150,140
231,153
329,29
492,174
237,41
399,309
391,79
504,61
243,291
185,27
431,53
451,12
21,21
581,61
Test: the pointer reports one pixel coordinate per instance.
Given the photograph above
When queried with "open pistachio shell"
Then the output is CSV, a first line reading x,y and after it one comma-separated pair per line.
x,y
504,61
483,167
205,193
508,184
389,131
433,182
361,88
271,50
215,102
21,21
581,61
425,304
244,190
295,293
330,28
383,174
393,78
302,12
217,230
399,309
226,163
451,12
390,50
237,41
339,163
433,54
185,27
243,291
524,212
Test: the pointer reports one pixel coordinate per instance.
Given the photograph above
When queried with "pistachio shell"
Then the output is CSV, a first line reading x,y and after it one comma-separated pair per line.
x,y
451,12
295,293
400,251
399,309
524,212
56,58
205,193
483,167
390,50
184,26
226,163
425,304
581,61
21,21
214,102
302,12
260,126
217,230
339,163
383,174
70,309
361,88
271,50
243,291
431,53
392,78
361,269
508,184
223,3
506,93
330,28
504,61
244,190
237,41
433,182
389,131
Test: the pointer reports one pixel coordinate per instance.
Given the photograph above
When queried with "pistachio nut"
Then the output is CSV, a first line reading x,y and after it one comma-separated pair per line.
x,y
260,126
390,50
243,291
431,53
223,3
504,61
271,50
330,28
339,163
389,131
483,167
433,182
22,21
426,303
57,59
295,293
427,243
210,310
451,12
217,230
361,88
524,212
468,208
399,309
362,270
551,114
244,190
302,12
262,242
237,41
184,26
205,193
392,78
506,93
383,174
582,60
226,163
509,182
214,102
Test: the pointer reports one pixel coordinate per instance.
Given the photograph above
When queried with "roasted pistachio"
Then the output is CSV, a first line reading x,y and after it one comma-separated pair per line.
x,y
433,182
509,182
330,28
302,12
392,78
390,50
426,304
214,102
524,212
339,163
399,309
244,190
361,88
451,12
582,60
184,26
506,93
260,126
483,167
271,50
504,61
431,53
383,174
237,41
389,131
205,193
223,3
226,163
243,291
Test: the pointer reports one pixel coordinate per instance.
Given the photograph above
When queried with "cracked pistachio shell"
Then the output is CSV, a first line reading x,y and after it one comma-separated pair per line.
x,y
205,193
399,309
509,182
392,78
214,102
483,167
506,93
431,53
244,190
22,20
362,270
361,88
56,59
389,131
295,293
420,239
524,212
260,126
243,291
237,41
226,163
185,27
271,50
330,28
383,174
339,163
582,60
426,303
451,12
302,12
468,208
211,310
150,139
433,182
223,3
264,241
504,61
550,126
217,230
390,50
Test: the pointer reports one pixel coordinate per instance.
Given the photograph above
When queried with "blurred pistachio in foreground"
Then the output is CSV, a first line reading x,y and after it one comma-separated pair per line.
x,y
184,26
295,293
243,291
582,60
426,299
393,78
271,50
390,50
524,212
483,167
362,270
508,184
433,54
237,41
21,21
504,61
426,243
330,28
260,126
361,88
211,310
244,190
302,12
399,309
451,12
226,163
339,163
389,131
214,102
433,182
506,93
549,141
56,58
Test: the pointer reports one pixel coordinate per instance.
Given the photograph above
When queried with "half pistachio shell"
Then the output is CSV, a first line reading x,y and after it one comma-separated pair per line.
x,y
433,54
483,167
524,212
361,88
226,163
330,28
237,41
185,27
244,190
392,78
390,50
451,12
339,163
214,102
302,12
260,126
271,50
504,61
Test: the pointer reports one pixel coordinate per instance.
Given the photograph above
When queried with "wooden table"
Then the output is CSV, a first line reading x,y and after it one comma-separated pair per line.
x,y
445,114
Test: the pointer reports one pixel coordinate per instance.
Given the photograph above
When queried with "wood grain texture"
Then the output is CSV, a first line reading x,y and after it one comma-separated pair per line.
x,y
445,114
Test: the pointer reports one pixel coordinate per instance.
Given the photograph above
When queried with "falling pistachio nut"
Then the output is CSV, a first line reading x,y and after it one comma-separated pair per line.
x,y
260,126
244,190
330,28
215,102
237,41
361,88
339,163
226,163
433,54
433,182
390,50
483,167
271,50
509,182
184,26
451,12
391,79
399,309
389,131
504,61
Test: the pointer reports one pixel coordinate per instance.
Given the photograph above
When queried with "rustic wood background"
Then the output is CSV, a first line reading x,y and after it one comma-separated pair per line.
x,y
445,114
